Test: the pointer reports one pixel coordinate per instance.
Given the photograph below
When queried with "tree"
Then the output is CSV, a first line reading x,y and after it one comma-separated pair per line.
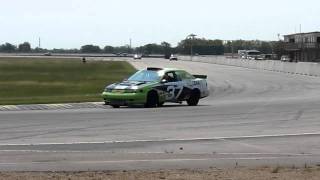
x,y
201,46
108,49
152,49
40,50
166,45
24,47
122,49
7,47
278,48
265,47
167,50
90,49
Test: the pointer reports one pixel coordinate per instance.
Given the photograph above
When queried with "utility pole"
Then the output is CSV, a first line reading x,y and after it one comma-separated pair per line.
x,y
39,43
300,28
302,45
191,37
232,49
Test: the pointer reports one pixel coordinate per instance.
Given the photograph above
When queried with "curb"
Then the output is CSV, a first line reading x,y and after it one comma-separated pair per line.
x,y
28,107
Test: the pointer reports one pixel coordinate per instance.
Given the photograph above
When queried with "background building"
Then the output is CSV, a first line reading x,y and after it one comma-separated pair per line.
x,y
303,46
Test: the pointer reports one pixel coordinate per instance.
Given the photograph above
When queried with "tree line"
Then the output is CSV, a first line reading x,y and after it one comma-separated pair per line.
x,y
8,48
186,46
198,46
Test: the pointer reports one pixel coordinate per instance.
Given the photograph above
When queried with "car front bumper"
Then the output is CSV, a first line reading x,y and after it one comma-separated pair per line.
x,y
123,99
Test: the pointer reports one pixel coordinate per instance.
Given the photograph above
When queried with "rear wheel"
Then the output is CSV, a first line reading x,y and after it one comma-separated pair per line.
x,y
194,98
152,99
160,104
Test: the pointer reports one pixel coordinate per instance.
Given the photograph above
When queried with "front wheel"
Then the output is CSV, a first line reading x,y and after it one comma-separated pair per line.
x,y
194,98
152,99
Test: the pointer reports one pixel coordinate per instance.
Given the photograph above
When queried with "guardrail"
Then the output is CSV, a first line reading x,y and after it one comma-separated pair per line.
x,y
303,68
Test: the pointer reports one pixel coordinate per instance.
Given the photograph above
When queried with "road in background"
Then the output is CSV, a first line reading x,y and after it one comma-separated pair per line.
x,y
251,118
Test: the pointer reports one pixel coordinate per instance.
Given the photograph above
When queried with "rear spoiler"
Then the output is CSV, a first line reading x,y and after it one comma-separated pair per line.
x,y
200,76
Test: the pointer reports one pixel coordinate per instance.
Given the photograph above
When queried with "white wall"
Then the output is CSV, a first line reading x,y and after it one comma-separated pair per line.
x,y
303,68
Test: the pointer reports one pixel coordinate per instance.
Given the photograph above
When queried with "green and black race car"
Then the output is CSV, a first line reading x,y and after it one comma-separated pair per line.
x,y
153,87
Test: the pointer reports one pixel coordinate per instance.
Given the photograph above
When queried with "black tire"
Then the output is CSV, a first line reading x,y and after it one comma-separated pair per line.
x,y
194,98
115,106
152,99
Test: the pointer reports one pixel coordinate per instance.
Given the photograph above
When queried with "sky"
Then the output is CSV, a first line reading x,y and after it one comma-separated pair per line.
x,y
73,23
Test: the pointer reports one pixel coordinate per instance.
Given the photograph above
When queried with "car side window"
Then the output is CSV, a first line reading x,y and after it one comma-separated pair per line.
x,y
184,75
170,76
189,76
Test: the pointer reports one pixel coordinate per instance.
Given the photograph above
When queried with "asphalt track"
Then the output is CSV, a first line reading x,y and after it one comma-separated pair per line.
x,y
252,118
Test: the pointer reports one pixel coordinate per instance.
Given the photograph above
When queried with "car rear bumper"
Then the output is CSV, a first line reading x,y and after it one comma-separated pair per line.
x,y
205,94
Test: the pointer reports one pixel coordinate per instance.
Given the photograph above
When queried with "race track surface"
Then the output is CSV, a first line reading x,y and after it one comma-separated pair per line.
x,y
251,118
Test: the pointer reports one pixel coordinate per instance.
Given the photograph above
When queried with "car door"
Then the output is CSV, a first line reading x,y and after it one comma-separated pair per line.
x,y
186,85
174,86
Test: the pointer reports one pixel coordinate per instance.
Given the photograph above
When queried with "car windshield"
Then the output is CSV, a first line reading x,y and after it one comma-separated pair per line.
x,y
145,76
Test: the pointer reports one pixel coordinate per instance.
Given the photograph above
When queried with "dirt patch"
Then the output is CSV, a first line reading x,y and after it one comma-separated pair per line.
x,y
265,173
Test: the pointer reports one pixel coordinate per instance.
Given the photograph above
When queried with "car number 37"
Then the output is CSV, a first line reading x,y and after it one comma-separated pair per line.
x,y
173,92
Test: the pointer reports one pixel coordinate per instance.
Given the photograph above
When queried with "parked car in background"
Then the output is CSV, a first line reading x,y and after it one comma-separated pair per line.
x,y
173,58
285,58
122,54
137,56
270,56
253,54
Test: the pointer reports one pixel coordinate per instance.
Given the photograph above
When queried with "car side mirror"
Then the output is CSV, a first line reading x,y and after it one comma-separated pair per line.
x,y
164,81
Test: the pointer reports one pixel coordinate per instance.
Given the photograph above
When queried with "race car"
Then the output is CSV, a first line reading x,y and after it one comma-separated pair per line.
x,y
152,87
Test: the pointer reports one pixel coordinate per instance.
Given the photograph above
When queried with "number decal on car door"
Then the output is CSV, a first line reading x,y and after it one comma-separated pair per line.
x,y
174,92
170,91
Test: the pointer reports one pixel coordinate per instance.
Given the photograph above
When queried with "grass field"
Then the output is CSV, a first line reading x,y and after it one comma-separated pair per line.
x,y
50,80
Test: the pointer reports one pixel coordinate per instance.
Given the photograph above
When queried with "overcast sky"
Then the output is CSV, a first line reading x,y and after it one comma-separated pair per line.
x,y
72,23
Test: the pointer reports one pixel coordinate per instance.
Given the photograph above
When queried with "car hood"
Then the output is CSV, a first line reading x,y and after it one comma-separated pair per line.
x,y
129,85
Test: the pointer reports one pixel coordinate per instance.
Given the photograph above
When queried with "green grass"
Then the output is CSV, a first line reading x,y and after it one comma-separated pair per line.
x,y
49,80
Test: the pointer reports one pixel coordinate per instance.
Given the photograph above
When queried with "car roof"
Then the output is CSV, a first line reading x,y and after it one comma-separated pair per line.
x,y
163,69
